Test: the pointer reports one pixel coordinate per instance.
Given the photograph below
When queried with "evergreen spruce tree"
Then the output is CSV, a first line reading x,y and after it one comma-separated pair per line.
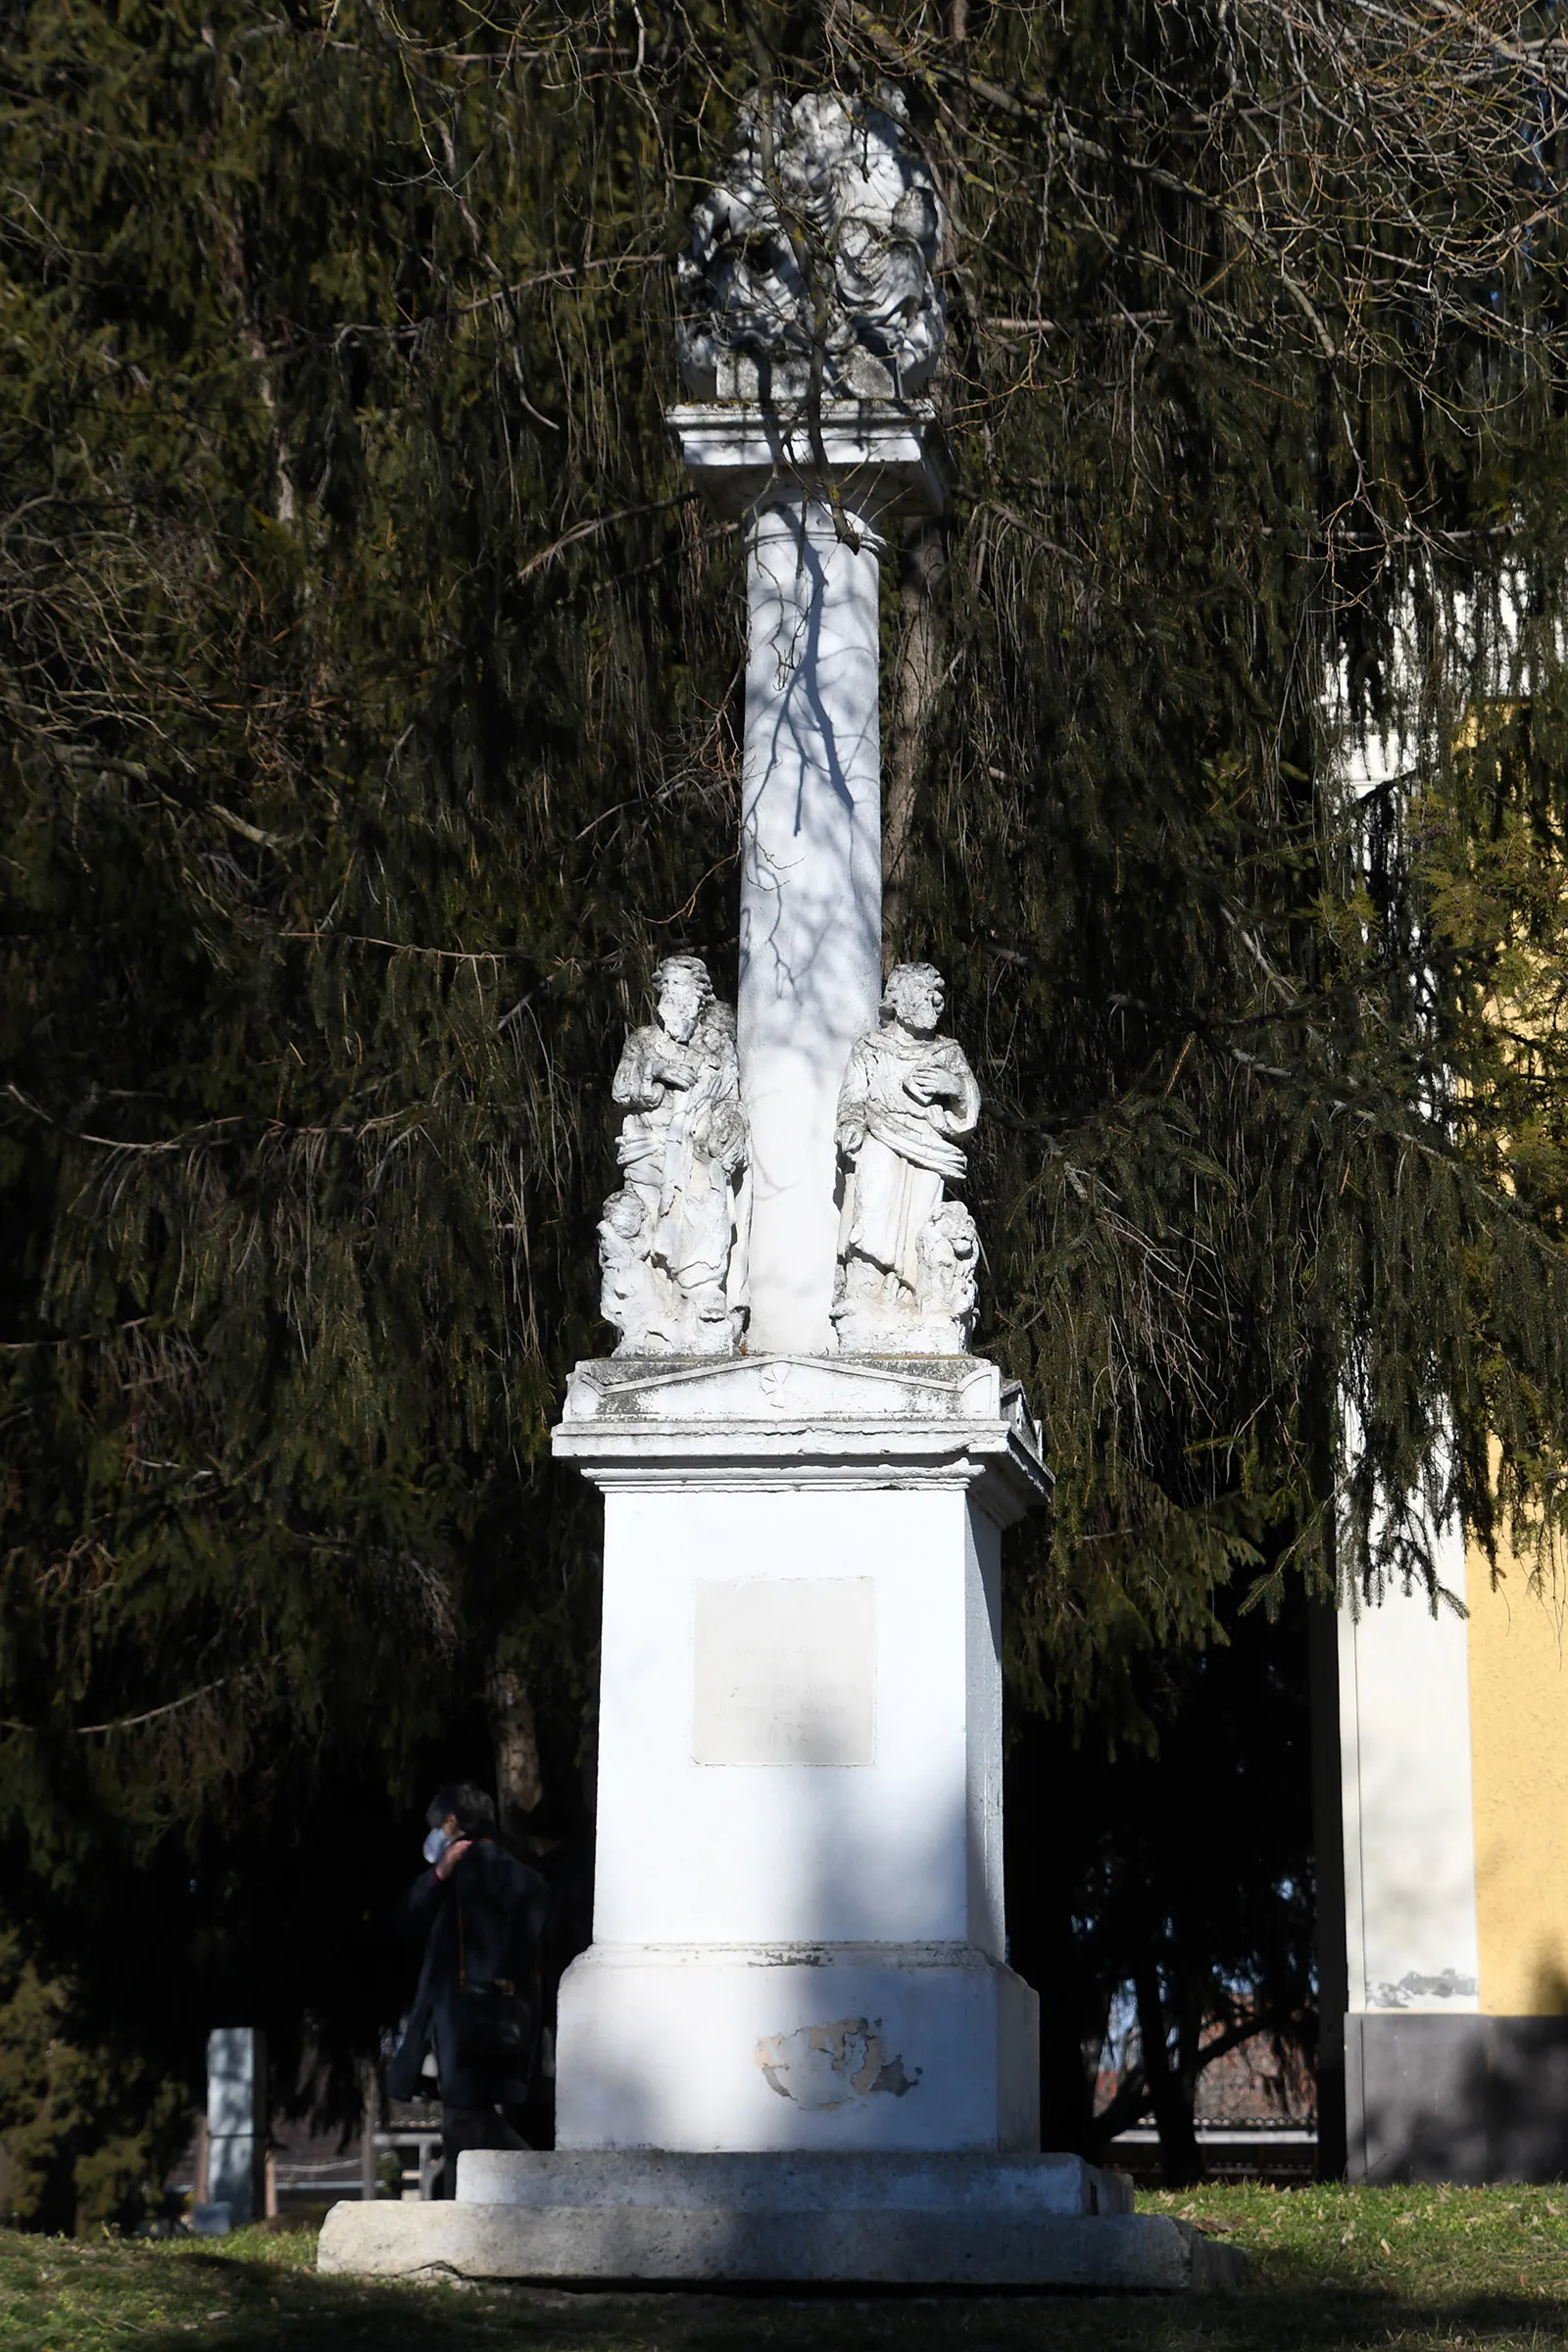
x,y
370,693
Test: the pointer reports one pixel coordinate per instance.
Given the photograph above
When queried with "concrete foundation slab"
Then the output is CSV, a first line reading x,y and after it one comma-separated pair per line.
x,y
647,2245
661,2220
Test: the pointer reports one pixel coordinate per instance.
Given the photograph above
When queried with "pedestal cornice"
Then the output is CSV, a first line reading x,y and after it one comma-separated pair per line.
x,y
794,1421
883,456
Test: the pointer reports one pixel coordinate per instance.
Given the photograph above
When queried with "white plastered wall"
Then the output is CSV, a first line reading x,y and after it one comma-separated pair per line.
x,y
1412,1940
1409,1830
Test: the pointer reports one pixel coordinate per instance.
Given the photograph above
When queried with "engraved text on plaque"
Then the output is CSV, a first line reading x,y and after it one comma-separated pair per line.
x,y
785,1671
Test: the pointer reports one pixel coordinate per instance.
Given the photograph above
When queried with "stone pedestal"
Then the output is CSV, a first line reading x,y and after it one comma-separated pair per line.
x,y
798,1930
794,2052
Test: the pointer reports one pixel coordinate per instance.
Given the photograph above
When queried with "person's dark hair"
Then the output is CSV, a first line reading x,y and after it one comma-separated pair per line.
x,y
475,1812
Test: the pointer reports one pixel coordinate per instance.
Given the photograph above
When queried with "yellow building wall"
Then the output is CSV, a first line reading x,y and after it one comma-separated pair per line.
x,y
1518,1648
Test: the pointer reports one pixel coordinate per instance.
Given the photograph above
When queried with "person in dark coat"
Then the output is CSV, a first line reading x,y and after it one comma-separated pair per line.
x,y
481,1914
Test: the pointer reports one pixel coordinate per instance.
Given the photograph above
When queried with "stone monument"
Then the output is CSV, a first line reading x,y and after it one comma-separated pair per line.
x,y
794,2049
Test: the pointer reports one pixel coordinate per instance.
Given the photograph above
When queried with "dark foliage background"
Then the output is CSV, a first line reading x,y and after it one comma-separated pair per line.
x,y
367,676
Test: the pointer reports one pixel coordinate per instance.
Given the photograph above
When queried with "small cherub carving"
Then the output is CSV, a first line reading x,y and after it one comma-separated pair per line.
x,y
947,1263
908,1094
627,1296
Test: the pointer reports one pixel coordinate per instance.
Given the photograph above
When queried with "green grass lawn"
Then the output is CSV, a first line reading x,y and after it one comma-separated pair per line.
x,y
1333,2268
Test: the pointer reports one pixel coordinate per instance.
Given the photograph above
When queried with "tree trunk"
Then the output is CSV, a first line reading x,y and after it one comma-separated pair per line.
x,y
518,1782
1168,2098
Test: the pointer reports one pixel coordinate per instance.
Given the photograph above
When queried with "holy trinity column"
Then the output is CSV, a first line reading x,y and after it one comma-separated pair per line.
x,y
805,1471
795,2048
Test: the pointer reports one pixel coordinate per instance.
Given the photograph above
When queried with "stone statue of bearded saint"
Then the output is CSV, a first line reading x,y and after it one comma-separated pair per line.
x,y
670,1238
905,1283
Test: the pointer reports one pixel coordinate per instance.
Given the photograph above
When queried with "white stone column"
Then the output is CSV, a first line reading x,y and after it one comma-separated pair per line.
x,y
811,932
811,939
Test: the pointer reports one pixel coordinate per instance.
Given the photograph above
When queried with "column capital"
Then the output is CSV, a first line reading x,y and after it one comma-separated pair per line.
x,y
884,457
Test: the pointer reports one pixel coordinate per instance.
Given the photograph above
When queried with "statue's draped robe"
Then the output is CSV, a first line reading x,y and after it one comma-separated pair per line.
x,y
676,1148
896,1178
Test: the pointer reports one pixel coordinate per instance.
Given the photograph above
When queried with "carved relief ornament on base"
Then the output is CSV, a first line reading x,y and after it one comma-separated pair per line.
x,y
673,1241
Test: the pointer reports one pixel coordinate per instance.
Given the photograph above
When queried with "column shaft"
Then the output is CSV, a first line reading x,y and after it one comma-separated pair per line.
x,y
811,932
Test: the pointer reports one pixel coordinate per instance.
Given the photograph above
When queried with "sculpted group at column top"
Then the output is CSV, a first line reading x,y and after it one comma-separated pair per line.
x,y
672,1242
848,195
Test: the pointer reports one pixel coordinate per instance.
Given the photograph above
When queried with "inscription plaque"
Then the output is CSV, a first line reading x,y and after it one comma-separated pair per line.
x,y
785,1671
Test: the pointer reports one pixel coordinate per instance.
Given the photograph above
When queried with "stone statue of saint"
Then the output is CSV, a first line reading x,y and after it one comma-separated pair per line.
x,y
671,1238
907,1255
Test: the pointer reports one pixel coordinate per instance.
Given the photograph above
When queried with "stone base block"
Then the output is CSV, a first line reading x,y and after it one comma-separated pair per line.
x,y
661,2220
831,2049
1023,2186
